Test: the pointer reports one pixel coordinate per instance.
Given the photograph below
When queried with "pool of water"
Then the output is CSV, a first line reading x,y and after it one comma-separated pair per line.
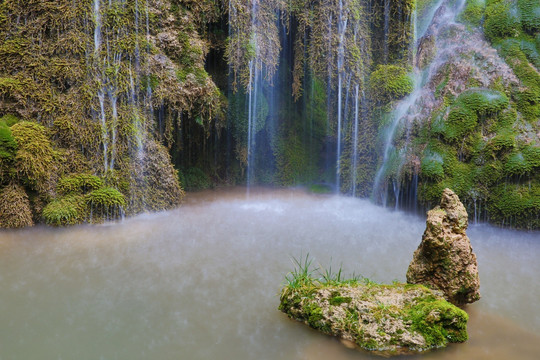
x,y
202,281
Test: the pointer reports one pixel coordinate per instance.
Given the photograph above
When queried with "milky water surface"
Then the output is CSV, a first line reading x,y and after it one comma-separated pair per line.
x,y
202,281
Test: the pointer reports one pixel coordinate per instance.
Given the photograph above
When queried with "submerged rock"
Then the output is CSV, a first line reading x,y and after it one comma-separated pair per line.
x,y
445,260
391,318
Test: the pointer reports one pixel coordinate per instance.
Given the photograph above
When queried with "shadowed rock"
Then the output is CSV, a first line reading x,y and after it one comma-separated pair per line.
x,y
445,259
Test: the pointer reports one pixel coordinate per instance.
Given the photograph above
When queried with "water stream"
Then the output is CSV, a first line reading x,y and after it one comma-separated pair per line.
x,y
201,281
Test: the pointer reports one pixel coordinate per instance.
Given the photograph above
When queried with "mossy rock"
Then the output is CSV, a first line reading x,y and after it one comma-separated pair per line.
x,y
461,120
389,83
530,49
529,11
432,165
293,162
193,179
473,12
105,198
501,20
525,161
78,184
35,161
504,140
8,150
483,101
15,211
515,205
392,318
68,210
9,120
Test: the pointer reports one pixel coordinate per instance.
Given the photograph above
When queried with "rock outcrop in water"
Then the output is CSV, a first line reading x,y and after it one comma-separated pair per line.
x,y
391,318
445,260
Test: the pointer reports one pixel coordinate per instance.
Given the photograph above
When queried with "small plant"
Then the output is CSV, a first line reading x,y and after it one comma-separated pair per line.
x,y
301,275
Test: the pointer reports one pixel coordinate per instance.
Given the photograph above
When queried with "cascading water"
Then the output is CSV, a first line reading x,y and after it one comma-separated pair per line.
x,y
406,110
252,118
355,141
342,28
97,30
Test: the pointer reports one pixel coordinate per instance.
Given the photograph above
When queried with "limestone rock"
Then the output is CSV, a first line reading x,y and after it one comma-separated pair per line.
x,y
445,259
426,51
392,319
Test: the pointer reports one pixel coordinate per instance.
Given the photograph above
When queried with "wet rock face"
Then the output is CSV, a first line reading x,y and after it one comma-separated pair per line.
x,y
426,51
445,259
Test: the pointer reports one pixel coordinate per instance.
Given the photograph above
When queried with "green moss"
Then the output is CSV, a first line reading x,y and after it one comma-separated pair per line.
x,y
35,160
9,120
432,165
483,101
320,189
10,86
517,165
15,209
528,98
338,300
421,313
8,149
532,155
501,20
438,321
149,81
515,205
490,173
293,162
504,120
504,140
530,49
68,210
523,162
78,184
390,82
530,15
460,121
473,12
193,179
105,198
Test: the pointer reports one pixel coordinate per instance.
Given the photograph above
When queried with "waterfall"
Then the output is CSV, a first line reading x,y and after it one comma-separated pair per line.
x,y
342,28
386,29
97,31
355,141
405,110
250,137
104,134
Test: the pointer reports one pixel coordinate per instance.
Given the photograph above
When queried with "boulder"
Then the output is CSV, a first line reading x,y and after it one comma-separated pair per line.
x,y
445,260
389,319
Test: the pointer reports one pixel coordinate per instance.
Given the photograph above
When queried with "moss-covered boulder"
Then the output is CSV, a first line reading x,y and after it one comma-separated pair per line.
x,y
68,210
392,318
8,149
15,211
78,183
390,82
36,162
445,260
